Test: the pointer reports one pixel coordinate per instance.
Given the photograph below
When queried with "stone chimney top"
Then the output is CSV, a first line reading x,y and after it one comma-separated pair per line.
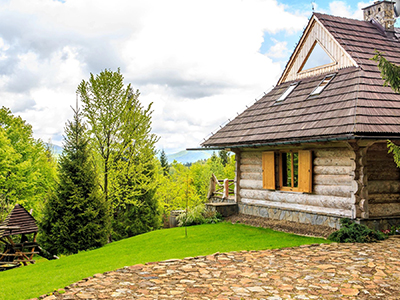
x,y
381,12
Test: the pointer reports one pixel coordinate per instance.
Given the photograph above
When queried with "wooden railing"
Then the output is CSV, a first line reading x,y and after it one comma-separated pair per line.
x,y
221,187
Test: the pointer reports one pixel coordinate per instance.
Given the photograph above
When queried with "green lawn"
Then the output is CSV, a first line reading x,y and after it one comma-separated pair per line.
x,y
42,278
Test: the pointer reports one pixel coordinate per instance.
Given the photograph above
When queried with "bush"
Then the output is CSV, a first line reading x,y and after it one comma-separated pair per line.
x,y
351,232
198,215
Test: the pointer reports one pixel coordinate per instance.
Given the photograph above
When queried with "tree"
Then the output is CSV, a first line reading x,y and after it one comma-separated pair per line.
x,y
27,169
164,163
390,73
121,129
76,216
224,156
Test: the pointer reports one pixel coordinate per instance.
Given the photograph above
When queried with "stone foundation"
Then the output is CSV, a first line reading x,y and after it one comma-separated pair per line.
x,y
381,223
289,215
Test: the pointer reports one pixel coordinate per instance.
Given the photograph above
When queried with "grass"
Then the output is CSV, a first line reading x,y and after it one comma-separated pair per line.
x,y
46,276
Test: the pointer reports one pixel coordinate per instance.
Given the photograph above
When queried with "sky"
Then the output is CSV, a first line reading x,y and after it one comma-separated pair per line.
x,y
199,62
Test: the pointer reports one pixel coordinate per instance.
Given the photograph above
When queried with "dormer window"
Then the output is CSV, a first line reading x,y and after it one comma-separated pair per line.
x,y
287,92
322,85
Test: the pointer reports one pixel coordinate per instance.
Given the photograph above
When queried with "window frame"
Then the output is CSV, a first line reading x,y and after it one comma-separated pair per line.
x,y
272,171
287,92
320,88
282,187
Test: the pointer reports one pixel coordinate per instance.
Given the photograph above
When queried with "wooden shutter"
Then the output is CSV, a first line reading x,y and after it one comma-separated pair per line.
x,y
305,171
268,167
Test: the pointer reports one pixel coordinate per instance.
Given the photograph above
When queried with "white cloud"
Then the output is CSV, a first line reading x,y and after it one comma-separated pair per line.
x,y
278,50
198,61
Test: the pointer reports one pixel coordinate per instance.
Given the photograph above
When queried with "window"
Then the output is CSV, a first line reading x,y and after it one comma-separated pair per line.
x,y
322,85
287,92
289,170
292,170
317,58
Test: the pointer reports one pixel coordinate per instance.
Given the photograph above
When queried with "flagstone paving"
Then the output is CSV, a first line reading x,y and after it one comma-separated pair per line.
x,y
334,271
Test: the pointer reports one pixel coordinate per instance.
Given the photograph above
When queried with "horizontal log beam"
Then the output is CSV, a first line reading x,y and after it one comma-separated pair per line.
x,y
384,209
333,170
334,152
334,190
384,187
345,180
334,161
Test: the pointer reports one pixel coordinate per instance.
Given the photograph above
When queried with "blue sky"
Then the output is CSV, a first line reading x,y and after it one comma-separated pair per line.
x,y
199,62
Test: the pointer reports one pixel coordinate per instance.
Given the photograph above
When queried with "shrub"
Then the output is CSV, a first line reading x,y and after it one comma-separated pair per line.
x,y
198,215
351,232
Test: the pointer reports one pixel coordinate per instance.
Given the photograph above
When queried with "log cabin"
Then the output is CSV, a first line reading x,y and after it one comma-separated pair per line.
x,y
314,149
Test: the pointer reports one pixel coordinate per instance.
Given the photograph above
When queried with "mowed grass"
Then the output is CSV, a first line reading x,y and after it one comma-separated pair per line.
x,y
46,276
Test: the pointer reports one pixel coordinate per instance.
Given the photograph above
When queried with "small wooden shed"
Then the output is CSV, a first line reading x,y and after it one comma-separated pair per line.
x,y
18,223
313,150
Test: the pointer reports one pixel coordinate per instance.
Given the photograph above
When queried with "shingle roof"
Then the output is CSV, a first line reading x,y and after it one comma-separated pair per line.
x,y
355,103
18,217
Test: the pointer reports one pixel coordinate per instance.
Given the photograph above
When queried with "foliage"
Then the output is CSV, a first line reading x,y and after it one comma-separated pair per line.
x,y
153,246
394,230
164,163
198,215
133,183
390,72
121,129
351,232
27,169
224,156
393,148
76,216
190,183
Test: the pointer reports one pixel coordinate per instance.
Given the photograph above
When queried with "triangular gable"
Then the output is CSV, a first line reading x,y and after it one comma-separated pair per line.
x,y
315,33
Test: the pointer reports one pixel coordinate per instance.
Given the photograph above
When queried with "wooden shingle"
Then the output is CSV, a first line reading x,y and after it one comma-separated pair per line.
x,y
20,219
355,104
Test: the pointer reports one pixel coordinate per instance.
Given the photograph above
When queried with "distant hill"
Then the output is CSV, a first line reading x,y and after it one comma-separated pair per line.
x,y
189,156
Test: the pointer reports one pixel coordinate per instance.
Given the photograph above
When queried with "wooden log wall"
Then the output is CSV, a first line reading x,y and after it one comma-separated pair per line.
x,y
383,182
333,184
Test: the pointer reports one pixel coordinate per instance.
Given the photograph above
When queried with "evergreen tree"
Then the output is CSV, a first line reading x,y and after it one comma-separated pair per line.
x,y
76,216
224,156
164,163
390,73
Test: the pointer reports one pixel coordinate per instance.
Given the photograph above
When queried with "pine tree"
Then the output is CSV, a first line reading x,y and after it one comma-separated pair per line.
x,y
164,163
76,216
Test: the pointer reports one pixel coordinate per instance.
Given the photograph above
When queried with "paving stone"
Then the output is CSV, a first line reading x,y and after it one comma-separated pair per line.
x,y
318,271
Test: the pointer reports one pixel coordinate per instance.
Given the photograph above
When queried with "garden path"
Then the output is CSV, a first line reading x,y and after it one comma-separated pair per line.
x,y
334,271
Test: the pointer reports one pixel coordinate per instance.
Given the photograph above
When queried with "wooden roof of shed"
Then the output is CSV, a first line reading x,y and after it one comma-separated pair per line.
x,y
354,104
18,217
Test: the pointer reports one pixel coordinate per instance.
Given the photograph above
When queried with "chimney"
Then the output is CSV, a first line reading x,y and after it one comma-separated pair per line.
x,y
381,12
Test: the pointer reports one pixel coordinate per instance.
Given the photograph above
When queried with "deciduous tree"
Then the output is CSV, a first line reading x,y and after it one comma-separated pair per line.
x,y
27,169
121,129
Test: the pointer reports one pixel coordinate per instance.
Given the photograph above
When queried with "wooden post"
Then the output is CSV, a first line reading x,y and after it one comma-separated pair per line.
x,y
225,194
211,189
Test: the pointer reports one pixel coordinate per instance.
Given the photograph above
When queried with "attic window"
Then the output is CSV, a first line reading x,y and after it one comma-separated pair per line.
x,y
287,91
322,85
